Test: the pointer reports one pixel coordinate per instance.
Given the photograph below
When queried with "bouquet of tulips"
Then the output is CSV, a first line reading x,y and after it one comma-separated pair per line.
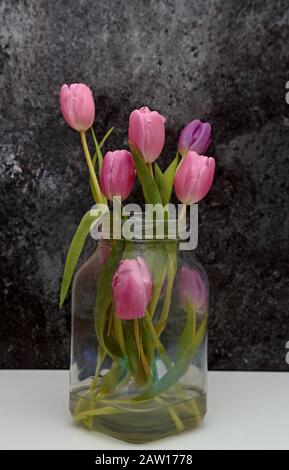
x,y
130,286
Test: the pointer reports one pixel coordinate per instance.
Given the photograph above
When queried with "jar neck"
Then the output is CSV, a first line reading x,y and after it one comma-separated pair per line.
x,y
139,246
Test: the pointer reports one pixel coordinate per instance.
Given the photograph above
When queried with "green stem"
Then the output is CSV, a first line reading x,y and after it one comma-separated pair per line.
x,y
159,346
94,139
171,263
119,334
150,167
138,340
178,422
183,212
194,322
104,139
156,294
167,362
98,150
100,358
182,159
101,411
137,335
91,168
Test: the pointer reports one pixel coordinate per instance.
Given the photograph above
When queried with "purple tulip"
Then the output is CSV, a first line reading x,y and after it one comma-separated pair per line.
x,y
196,136
193,289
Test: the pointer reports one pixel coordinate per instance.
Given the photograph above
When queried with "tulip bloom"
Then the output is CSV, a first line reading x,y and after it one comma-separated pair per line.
x,y
132,289
196,136
117,174
194,178
147,133
193,288
77,106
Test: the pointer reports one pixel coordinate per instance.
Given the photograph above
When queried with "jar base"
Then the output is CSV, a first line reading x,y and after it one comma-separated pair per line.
x,y
138,423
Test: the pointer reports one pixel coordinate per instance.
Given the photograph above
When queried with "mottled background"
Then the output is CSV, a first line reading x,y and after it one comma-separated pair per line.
x,y
220,60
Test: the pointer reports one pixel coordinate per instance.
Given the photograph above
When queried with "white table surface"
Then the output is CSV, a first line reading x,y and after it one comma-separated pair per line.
x,y
246,411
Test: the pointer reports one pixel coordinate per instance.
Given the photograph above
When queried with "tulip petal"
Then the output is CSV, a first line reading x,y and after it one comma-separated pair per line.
x,y
205,180
132,289
203,140
187,134
196,136
136,131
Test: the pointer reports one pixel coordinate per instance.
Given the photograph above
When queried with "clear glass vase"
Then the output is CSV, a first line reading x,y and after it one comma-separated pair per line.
x,y
145,379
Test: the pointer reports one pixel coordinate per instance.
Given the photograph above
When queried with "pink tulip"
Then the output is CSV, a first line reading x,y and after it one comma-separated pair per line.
x,y
117,174
194,178
77,106
193,288
147,133
195,136
132,289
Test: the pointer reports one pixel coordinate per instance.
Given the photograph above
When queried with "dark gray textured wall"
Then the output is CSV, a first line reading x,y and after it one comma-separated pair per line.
x,y
221,60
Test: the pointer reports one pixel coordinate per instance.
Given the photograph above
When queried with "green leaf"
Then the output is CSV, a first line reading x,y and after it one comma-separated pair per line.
x,y
98,156
148,184
170,176
188,331
113,346
136,367
111,380
94,160
165,181
90,180
156,260
161,183
189,347
98,147
74,252
98,153
147,343
171,274
102,142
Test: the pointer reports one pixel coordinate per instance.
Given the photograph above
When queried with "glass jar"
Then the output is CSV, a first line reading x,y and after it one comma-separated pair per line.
x,y
141,379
